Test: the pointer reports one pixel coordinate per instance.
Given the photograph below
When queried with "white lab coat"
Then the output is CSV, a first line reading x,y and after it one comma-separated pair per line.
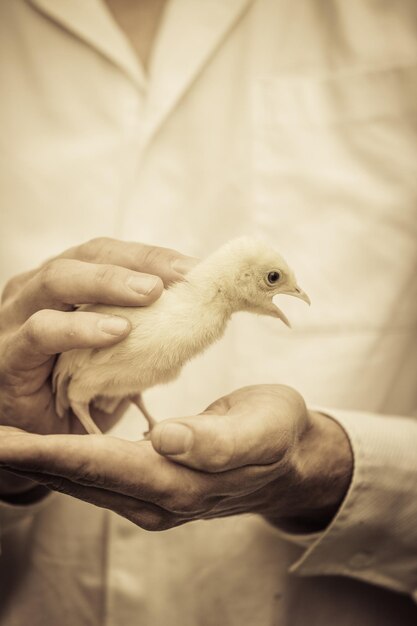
x,y
292,120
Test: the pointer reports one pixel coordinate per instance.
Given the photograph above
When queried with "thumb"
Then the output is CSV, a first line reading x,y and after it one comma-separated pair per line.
x,y
256,431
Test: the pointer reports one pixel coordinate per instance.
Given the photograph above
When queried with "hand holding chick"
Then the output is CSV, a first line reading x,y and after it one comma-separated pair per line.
x,y
36,322
257,450
243,275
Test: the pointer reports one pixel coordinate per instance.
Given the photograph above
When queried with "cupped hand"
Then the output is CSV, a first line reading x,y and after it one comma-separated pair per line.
x,y
257,450
38,321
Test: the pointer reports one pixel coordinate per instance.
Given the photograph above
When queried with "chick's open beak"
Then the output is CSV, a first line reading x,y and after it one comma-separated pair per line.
x,y
299,293
272,310
280,315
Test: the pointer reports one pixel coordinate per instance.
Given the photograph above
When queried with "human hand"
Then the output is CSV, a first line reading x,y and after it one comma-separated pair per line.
x,y
37,321
257,450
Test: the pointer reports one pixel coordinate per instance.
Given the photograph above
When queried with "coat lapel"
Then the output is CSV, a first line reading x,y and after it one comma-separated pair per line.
x,y
177,60
92,22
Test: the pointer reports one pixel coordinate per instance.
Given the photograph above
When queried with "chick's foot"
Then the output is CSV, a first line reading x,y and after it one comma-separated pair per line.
x,y
82,411
138,401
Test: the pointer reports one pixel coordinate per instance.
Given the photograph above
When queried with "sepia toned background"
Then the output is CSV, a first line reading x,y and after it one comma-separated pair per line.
x,y
295,122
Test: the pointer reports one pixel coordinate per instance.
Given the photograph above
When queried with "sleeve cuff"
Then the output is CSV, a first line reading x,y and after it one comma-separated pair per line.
x,y
13,514
373,537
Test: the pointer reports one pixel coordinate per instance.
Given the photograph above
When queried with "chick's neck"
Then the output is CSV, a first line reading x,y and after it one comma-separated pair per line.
x,y
197,312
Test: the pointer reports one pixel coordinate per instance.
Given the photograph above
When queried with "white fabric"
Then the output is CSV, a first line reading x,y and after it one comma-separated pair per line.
x,y
291,120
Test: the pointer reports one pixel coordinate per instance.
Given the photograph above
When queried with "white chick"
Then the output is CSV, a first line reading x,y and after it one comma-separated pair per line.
x,y
243,275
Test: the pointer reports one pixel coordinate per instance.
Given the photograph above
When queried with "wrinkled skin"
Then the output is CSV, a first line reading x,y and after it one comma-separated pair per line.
x,y
257,450
38,321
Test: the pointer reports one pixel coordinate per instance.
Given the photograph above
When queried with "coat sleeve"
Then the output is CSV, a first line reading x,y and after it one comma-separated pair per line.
x,y
373,537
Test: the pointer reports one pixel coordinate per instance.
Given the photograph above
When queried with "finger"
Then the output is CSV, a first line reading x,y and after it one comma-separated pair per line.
x,y
15,284
123,467
143,514
254,426
166,263
96,460
132,469
65,282
50,332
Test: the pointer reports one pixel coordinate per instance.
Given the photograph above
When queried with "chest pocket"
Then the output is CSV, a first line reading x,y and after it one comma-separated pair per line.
x,y
335,183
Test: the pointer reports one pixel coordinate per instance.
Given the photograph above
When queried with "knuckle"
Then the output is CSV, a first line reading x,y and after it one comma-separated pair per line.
x,y
293,398
289,391
153,256
34,328
16,284
10,288
49,275
219,406
99,247
105,274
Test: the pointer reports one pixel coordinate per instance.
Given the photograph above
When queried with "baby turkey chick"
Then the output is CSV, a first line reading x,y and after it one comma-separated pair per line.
x,y
243,275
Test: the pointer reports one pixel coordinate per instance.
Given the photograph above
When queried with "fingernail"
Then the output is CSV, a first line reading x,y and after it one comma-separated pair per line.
x,y
174,439
184,264
113,325
143,284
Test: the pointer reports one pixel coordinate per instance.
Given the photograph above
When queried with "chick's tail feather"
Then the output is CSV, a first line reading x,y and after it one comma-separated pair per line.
x,y
60,383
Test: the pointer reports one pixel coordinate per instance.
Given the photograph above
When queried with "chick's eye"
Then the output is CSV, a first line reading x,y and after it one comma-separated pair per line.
x,y
273,277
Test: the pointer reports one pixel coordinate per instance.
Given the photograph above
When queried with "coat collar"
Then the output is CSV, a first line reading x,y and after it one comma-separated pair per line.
x,y
176,61
90,21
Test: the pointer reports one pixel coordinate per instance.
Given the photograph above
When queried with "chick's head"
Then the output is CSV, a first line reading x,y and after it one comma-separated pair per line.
x,y
252,273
